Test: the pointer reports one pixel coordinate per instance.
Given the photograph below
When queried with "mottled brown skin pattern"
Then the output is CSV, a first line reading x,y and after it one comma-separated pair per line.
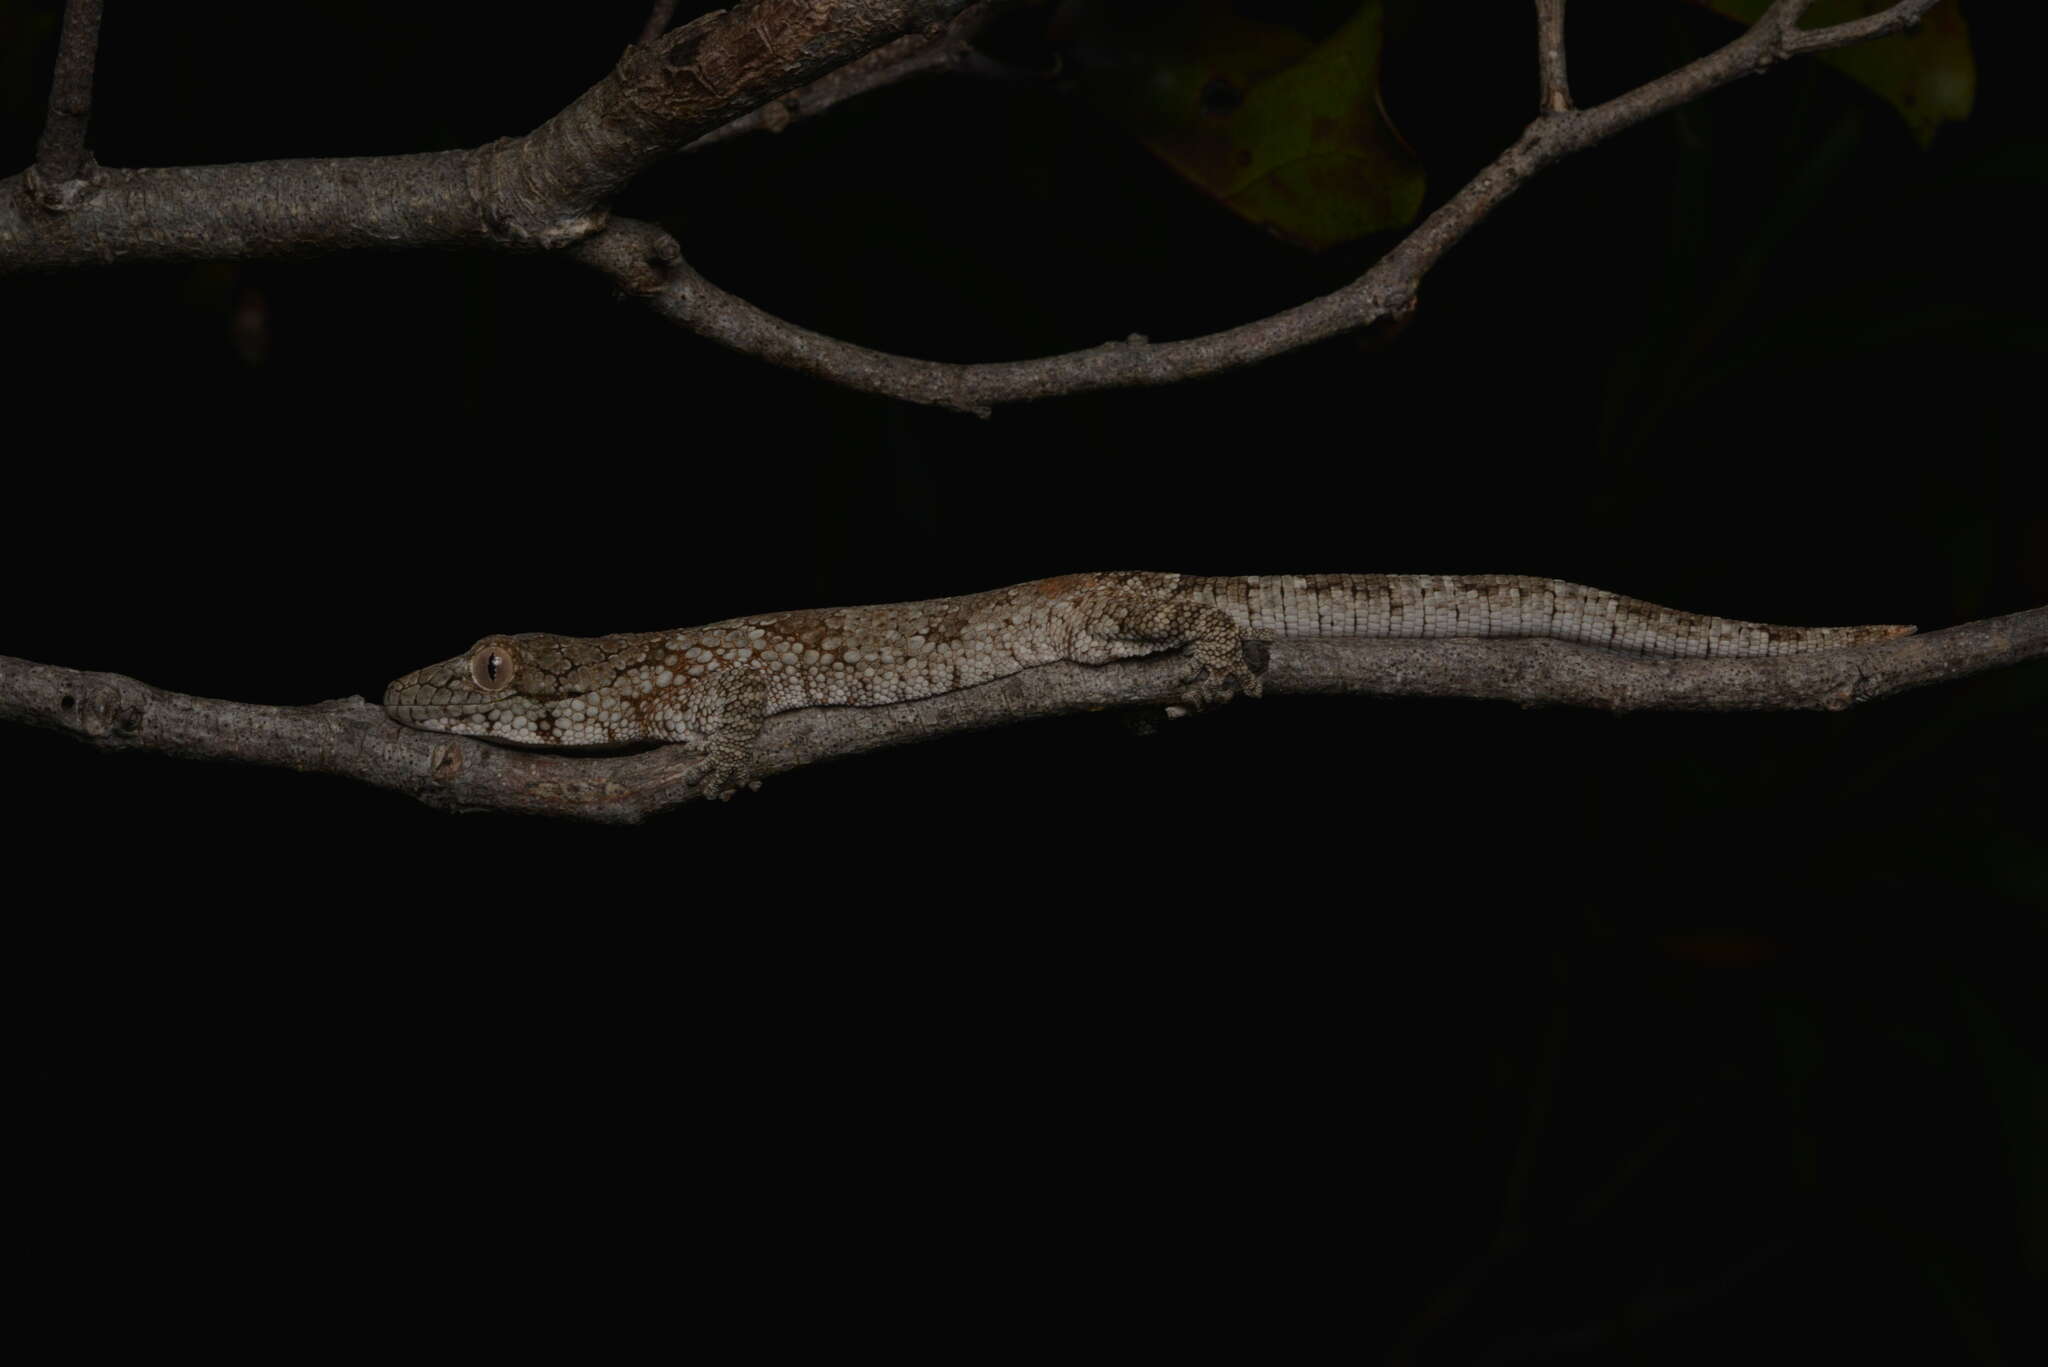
x,y
713,685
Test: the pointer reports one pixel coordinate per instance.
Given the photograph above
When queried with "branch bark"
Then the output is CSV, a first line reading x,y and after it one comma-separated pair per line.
x,y
1555,95
354,738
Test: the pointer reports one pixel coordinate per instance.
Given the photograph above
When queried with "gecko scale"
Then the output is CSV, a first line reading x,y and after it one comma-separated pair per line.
x,y
714,684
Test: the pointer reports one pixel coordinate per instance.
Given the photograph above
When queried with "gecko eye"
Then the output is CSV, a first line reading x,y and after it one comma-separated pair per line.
x,y
492,667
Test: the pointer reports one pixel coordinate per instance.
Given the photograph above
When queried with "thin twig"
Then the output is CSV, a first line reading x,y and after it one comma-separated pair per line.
x,y
1556,92
1387,289
1897,19
1511,1236
1515,1241
1651,1308
62,163
658,20
354,738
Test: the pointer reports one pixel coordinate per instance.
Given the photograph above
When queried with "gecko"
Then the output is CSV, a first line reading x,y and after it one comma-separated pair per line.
x,y
712,686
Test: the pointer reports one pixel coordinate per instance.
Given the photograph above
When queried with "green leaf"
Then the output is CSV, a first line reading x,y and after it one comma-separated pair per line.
x,y
1927,73
1283,127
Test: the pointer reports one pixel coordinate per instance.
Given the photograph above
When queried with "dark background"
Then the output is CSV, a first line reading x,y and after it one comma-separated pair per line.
x,y
1488,1034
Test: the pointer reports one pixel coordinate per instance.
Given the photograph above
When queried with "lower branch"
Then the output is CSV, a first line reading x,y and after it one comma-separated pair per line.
x,y
354,738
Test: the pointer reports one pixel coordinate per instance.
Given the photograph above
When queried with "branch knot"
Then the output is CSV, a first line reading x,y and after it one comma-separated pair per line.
x,y
61,196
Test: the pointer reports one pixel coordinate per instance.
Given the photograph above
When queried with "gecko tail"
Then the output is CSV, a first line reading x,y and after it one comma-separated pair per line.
x,y
1494,606
1872,635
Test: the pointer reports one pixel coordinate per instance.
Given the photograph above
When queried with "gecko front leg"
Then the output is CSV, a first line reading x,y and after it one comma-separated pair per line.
x,y
725,718
1118,623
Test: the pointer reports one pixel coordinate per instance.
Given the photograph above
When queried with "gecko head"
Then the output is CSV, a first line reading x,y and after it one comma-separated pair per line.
x,y
531,689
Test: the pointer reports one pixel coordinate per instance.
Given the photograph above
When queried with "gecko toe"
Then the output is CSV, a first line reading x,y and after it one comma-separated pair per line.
x,y
720,779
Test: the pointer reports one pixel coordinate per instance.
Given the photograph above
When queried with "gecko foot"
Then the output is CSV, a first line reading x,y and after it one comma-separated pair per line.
x,y
1210,636
1225,673
732,721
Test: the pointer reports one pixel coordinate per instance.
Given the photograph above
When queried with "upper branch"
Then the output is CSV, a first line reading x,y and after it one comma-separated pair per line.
x,y
546,189
353,738
641,261
61,158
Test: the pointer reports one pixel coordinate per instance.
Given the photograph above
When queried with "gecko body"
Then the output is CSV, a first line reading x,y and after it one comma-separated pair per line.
x,y
713,685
